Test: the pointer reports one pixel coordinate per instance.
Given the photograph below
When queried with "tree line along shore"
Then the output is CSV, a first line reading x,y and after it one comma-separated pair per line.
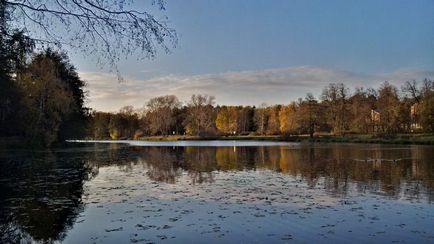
x,y
43,102
418,139
383,115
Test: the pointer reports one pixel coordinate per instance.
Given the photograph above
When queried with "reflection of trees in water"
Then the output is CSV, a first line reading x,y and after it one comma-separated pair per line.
x,y
41,196
41,192
340,168
396,172
163,164
227,158
200,162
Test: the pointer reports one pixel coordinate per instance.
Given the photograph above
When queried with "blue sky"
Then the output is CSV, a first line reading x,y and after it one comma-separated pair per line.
x,y
254,51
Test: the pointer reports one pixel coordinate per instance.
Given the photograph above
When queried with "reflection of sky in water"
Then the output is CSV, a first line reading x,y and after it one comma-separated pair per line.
x,y
263,186
118,193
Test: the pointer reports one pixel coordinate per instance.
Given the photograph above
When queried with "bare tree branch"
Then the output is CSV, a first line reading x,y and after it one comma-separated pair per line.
x,y
108,29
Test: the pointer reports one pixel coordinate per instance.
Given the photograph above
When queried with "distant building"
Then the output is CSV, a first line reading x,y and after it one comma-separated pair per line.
x,y
375,116
375,120
414,115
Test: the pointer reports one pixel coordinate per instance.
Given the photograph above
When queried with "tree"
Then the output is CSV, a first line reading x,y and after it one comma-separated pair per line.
x,y
245,119
129,122
99,124
308,114
427,113
404,115
74,125
261,118
108,28
388,106
47,99
361,103
161,113
115,126
412,91
200,118
9,97
419,95
288,118
427,105
334,97
273,123
14,50
226,120
179,115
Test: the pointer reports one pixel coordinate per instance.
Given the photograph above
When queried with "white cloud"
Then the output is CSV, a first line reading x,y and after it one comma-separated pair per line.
x,y
278,85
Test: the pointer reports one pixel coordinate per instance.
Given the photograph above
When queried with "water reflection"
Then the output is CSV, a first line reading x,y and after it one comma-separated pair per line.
x,y
42,192
394,171
40,195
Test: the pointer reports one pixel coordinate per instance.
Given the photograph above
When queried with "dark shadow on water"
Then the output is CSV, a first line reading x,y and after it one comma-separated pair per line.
x,y
40,196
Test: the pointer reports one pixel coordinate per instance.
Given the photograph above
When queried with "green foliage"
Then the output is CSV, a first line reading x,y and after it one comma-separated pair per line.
x,y
121,125
99,125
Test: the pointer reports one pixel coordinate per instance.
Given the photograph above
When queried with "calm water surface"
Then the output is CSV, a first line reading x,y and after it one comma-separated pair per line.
x,y
233,192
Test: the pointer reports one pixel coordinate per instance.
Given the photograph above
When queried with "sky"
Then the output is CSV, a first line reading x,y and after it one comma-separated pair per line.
x,y
246,52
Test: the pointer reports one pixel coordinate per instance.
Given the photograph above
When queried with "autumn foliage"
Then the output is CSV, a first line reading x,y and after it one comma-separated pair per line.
x,y
337,112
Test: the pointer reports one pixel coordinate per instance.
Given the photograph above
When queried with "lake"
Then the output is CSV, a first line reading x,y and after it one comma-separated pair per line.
x,y
217,192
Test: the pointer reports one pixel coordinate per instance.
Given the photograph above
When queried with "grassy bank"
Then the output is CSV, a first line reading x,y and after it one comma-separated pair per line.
x,y
419,139
193,138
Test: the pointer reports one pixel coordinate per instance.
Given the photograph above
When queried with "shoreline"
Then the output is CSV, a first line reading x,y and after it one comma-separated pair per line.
x,y
402,139
414,139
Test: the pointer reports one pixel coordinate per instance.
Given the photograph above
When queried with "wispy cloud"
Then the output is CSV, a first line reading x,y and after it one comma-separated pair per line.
x,y
278,85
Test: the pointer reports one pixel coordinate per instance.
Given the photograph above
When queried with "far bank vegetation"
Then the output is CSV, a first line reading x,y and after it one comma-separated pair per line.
x,y
385,111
